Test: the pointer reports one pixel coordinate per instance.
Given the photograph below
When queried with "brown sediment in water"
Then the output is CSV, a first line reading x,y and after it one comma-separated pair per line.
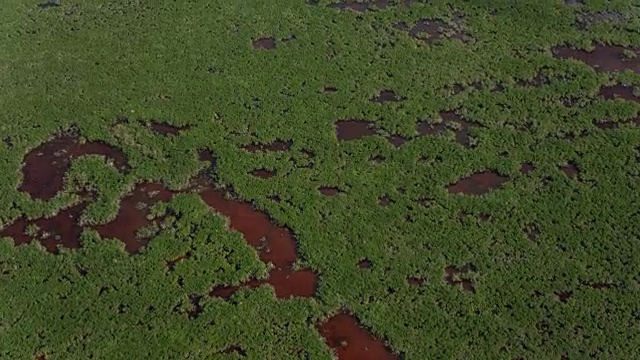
x,y
166,129
62,229
463,127
598,285
477,184
570,170
526,168
451,119
603,58
397,140
605,125
344,5
387,96
234,349
563,296
385,201
171,263
276,145
416,281
45,166
452,276
427,129
329,190
377,159
267,43
347,130
263,173
619,91
132,215
347,337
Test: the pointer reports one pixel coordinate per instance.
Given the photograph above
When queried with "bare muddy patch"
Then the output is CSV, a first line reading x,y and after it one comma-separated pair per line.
x,y
347,130
45,166
276,145
385,201
416,280
429,129
570,170
234,349
345,335
263,173
526,168
605,125
430,31
265,43
330,89
377,159
329,190
450,120
365,264
603,58
563,296
459,275
477,184
171,263
344,5
165,129
397,140
619,92
387,96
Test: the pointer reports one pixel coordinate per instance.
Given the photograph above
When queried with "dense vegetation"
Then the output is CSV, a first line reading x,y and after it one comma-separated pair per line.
x,y
542,265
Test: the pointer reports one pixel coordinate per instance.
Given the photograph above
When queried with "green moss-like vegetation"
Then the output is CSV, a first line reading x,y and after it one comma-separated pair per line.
x,y
555,257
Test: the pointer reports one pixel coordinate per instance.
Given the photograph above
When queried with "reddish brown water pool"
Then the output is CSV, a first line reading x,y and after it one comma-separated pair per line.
x,y
344,334
477,184
267,43
263,173
387,96
347,130
46,165
619,91
132,216
276,145
165,129
603,58
329,190
62,229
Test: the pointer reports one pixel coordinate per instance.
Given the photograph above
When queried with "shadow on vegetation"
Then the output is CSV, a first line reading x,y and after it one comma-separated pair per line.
x,y
453,278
